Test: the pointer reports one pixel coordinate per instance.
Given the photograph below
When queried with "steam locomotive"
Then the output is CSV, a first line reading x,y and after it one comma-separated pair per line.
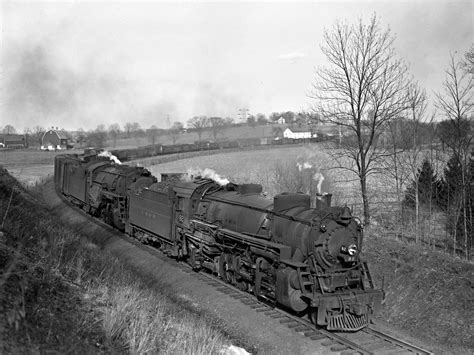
x,y
304,259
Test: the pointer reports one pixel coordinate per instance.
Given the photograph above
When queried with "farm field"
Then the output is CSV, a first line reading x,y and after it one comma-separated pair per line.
x,y
30,166
228,133
250,166
266,167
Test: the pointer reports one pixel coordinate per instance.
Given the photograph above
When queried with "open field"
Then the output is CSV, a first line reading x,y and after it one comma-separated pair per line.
x,y
30,165
228,133
260,167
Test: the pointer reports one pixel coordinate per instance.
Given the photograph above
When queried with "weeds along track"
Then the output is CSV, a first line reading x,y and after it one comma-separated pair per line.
x,y
366,341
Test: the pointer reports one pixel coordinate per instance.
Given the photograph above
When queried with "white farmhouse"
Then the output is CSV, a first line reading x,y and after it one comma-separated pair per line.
x,y
281,120
298,133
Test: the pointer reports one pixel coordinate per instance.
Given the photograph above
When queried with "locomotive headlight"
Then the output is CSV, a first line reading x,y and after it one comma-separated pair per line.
x,y
352,250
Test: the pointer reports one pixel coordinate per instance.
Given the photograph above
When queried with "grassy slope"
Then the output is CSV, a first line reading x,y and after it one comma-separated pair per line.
x,y
60,293
429,294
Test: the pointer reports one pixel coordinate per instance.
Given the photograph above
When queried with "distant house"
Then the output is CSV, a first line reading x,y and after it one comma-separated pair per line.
x,y
54,139
281,120
298,133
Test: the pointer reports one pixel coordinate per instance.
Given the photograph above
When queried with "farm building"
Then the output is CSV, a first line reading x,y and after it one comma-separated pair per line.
x,y
281,120
13,141
54,139
297,133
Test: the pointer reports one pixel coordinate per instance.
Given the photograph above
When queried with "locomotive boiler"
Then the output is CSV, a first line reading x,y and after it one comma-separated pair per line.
x,y
302,258
305,259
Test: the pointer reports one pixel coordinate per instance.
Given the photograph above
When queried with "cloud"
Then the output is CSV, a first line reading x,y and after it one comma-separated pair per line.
x,y
293,57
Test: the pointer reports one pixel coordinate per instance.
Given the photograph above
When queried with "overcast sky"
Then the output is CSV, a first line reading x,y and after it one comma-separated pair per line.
x,y
80,64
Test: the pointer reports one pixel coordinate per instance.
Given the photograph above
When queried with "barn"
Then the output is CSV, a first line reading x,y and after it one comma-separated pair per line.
x,y
54,139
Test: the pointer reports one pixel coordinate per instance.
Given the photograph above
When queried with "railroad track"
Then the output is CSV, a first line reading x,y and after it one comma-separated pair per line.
x,y
365,341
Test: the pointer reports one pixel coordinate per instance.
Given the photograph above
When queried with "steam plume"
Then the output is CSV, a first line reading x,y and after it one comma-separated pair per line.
x,y
206,173
109,155
319,178
303,166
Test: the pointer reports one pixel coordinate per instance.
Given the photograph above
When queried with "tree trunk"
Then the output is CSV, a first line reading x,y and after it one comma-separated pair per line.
x,y
417,214
465,205
365,199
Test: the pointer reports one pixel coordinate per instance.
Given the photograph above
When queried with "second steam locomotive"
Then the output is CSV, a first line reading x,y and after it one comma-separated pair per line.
x,y
303,259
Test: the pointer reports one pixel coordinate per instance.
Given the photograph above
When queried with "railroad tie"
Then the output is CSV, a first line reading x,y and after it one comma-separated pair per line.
x,y
269,312
349,352
287,320
294,325
329,342
248,302
317,336
240,296
338,347
302,328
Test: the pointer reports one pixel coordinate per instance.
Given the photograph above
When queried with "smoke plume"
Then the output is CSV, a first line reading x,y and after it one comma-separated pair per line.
x,y
319,178
206,173
109,155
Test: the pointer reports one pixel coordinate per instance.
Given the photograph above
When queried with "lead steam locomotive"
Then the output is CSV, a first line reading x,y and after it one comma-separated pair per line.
x,y
303,259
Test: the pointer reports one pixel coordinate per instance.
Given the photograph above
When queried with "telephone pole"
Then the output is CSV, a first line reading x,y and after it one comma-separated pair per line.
x,y
243,112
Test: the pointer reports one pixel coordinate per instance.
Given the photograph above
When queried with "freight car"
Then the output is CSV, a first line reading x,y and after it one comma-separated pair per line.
x,y
302,258
159,149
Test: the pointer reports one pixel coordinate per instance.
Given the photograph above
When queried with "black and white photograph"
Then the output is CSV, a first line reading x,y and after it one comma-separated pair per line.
x,y
236,177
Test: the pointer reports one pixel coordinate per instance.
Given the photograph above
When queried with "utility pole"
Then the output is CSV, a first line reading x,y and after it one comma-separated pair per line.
x,y
243,112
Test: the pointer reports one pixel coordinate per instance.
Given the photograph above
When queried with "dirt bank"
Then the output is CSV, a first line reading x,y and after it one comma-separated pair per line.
x,y
428,294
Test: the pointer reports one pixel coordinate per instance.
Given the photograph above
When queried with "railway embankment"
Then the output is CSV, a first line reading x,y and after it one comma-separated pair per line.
x,y
428,294
62,289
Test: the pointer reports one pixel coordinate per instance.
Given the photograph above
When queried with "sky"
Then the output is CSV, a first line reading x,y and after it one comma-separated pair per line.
x,y
84,63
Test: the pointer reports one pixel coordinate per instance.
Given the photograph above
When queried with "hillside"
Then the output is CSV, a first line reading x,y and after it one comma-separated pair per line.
x,y
428,294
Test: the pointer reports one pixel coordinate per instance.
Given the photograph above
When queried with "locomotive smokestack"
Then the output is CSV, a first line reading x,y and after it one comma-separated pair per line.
x,y
323,200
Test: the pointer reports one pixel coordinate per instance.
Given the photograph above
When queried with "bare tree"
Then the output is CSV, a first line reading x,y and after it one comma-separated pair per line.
x,y
175,130
228,121
128,129
469,60
361,90
217,125
114,131
98,137
457,104
251,121
9,129
37,134
152,133
198,123
407,147
81,137
261,119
